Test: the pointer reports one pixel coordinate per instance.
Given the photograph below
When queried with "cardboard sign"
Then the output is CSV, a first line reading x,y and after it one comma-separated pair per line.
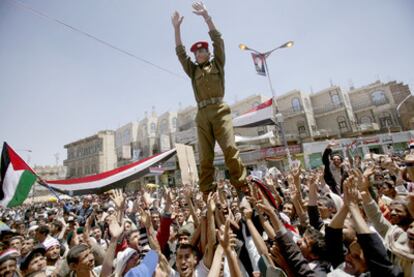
x,y
186,161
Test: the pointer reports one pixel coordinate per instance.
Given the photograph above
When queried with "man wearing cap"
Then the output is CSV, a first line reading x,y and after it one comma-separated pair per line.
x,y
214,119
8,263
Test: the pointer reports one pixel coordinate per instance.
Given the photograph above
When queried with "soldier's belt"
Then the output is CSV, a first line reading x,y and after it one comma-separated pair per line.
x,y
211,101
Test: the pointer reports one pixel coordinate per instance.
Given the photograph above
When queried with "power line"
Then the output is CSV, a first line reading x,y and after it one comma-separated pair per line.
x,y
77,30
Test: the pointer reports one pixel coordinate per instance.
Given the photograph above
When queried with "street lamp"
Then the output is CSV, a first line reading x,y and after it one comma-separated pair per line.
x,y
276,114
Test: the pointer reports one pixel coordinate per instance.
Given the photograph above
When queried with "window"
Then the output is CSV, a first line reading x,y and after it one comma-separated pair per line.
x,y
174,122
335,98
342,123
301,129
385,120
365,120
296,105
378,97
153,127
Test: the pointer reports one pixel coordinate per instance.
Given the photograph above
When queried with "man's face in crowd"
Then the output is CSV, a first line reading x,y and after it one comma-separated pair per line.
x,y
387,190
53,253
183,238
398,213
37,263
38,236
8,268
86,203
288,210
27,246
127,226
186,262
97,233
86,261
354,261
305,245
16,244
133,240
180,218
336,160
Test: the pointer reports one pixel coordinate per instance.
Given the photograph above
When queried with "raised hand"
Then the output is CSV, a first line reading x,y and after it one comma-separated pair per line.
x,y
200,9
224,236
211,201
176,19
145,218
118,198
114,228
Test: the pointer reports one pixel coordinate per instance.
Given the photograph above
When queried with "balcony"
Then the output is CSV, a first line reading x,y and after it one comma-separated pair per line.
x,y
328,108
291,112
364,105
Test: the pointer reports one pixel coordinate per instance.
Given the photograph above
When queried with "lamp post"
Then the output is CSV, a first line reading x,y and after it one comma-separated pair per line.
x,y
278,117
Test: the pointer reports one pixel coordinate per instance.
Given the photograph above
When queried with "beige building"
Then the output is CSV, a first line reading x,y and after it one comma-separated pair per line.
x,y
333,113
51,172
167,127
147,135
125,143
299,122
91,155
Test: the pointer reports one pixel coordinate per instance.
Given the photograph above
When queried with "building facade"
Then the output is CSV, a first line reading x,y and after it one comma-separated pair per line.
x,y
126,143
91,155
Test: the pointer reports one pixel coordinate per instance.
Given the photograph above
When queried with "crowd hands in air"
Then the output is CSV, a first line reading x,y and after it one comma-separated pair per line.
x,y
366,228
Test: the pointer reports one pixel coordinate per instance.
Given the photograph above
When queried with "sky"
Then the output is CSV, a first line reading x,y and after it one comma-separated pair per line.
x,y
60,81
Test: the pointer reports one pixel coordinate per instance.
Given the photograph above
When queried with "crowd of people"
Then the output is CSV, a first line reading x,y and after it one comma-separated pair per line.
x,y
351,217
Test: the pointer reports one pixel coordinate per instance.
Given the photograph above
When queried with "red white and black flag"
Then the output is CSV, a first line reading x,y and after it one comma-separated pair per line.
x,y
259,63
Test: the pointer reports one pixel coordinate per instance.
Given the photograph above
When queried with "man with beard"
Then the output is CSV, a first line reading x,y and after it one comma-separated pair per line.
x,y
27,246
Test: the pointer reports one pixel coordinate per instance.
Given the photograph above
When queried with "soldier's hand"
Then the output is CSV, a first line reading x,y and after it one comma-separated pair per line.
x,y
200,9
176,19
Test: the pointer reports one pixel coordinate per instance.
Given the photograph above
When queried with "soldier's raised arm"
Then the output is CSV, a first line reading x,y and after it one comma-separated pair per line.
x,y
185,60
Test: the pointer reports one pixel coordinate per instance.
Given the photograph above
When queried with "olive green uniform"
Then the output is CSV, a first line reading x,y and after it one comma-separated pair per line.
x,y
214,120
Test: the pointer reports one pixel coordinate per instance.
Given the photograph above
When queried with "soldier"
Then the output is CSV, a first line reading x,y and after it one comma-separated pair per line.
x,y
214,120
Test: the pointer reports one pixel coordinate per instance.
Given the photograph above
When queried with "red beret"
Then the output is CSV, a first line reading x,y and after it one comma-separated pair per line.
x,y
199,45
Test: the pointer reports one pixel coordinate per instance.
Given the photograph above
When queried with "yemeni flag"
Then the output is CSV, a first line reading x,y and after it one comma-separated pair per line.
x,y
259,116
16,178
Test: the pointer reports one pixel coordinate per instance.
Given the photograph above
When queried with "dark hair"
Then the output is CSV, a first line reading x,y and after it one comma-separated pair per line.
x,y
74,253
318,245
130,232
58,225
185,246
43,229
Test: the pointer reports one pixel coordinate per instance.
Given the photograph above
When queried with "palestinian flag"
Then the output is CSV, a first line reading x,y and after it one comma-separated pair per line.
x,y
16,178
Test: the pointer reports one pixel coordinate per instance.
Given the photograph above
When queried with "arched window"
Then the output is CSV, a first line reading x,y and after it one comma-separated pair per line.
x,y
335,99
378,97
152,127
365,119
342,123
296,105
